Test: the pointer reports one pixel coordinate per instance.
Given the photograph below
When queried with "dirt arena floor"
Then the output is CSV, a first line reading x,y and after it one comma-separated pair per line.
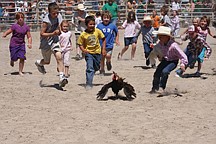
x,y
33,110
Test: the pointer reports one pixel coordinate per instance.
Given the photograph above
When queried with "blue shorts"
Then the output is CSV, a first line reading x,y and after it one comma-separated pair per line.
x,y
130,40
201,56
109,51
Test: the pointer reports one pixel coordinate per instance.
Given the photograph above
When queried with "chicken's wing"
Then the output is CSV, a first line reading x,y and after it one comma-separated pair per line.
x,y
129,91
101,94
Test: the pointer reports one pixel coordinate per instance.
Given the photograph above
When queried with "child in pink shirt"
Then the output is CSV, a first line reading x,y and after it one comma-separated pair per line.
x,y
65,43
130,36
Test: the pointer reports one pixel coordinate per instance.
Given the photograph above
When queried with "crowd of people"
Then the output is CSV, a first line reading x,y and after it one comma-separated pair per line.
x,y
95,42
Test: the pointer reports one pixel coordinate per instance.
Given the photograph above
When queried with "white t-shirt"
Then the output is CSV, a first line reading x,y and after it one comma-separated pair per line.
x,y
65,41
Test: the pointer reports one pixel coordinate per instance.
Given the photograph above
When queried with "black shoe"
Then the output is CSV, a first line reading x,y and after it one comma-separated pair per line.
x,y
109,66
154,66
147,62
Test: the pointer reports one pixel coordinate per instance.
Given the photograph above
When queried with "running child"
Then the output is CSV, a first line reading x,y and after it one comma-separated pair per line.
x,y
90,46
49,43
130,36
66,45
165,20
147,37
171,53
17,42
175,23
195,50
110,31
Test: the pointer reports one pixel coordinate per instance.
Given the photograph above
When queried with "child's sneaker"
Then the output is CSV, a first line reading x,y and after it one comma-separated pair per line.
x,y
40,68
78,57
102,72
88,87
63,82
178,73
197,74
154,66
147,62
109,66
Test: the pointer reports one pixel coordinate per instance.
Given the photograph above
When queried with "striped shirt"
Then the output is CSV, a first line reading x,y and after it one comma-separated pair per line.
x,y
146,34
196,45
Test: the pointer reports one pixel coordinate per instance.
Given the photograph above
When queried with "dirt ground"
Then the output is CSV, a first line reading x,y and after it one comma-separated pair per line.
x,y
33,110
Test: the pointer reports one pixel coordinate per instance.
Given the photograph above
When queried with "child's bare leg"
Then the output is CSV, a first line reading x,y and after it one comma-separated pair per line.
x,y
21,66
59,61
66,71
102,64
108,57
123,51
133,50
199,66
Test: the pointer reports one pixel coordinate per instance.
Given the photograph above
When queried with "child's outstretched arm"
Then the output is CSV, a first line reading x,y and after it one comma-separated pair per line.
x,y
7,32
210,33
29,40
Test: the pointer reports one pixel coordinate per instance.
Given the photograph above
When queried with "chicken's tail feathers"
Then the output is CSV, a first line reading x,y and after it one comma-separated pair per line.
x,y
129,91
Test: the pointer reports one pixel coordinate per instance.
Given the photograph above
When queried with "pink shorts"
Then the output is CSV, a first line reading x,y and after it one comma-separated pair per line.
x,y
66,58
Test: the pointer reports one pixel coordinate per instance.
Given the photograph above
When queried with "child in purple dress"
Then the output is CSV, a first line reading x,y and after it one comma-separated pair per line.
x,y
17,41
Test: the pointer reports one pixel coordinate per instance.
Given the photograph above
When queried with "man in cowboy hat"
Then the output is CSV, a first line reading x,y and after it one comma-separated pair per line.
x,y
170,55
78,20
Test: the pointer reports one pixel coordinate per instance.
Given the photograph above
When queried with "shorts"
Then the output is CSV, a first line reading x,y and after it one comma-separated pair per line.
x,y
18,52
130,40
66,58
201,56
109,51
46,53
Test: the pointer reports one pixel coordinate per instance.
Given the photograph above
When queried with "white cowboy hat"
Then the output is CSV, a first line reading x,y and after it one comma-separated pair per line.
x,y
81,7
163,31
147,18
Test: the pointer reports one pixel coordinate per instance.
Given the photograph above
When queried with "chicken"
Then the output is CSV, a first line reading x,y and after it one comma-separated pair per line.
x,y
117,84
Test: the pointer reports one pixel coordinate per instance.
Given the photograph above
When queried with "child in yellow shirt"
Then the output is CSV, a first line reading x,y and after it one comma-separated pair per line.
x,y
90,46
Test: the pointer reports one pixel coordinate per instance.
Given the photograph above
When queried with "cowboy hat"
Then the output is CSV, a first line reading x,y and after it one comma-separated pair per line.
x,y
81,7
147,18
163,31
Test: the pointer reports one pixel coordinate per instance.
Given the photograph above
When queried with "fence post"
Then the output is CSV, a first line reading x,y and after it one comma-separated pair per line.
x,y
37,15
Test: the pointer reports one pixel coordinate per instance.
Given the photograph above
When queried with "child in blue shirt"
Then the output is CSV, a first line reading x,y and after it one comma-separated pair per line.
x,y
110,31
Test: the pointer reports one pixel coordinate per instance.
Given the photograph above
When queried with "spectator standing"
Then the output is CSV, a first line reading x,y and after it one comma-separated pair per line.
x,y
176,6
112,7
155,23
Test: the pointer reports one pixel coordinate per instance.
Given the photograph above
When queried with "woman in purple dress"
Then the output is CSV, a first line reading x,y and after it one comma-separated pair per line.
x,y
17,41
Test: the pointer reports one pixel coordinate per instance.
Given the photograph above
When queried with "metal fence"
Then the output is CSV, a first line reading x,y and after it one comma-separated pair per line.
x,y
35,12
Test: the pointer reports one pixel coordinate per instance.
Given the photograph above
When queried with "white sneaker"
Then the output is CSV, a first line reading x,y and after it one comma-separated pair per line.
x,y
40,68
63,82
88,87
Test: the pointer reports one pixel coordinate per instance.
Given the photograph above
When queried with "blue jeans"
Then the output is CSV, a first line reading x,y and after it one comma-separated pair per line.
x,y
147,49
162,73
92,65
